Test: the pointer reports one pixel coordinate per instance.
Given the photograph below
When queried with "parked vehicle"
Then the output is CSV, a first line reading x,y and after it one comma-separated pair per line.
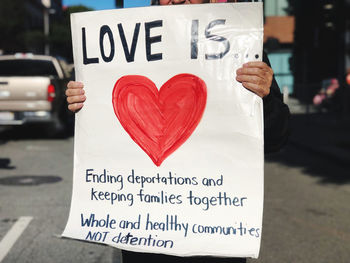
x,y
32,90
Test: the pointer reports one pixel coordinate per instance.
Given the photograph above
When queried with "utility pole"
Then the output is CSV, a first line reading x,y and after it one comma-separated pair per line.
x,y
46,17
119,3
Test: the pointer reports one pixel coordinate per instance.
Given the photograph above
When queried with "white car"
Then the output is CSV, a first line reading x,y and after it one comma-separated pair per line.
x,y
32,90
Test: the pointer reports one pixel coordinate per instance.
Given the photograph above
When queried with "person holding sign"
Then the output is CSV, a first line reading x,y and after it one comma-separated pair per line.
x,y
256,76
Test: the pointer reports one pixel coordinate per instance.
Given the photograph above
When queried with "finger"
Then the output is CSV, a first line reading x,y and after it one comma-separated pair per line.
x,y
74,92
75,107
263,77
75,85
250,79
251,71
259,90
258,64
76,99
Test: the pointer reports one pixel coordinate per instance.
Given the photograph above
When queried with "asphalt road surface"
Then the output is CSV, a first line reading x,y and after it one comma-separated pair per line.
x,y
306,211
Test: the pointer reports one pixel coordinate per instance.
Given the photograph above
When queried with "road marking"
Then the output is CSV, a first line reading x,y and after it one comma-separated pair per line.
x,y
13,234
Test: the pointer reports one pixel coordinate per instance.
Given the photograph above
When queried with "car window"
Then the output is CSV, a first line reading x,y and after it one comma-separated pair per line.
x,y
27,67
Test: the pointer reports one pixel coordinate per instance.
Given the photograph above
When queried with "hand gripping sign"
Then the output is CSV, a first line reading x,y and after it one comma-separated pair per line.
x,y
168,151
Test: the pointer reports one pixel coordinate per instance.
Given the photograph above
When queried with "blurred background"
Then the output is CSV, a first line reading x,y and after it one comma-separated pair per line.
x,y
307,183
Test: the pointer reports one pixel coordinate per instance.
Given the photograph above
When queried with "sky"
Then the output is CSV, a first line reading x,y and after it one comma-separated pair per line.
x,y
105,4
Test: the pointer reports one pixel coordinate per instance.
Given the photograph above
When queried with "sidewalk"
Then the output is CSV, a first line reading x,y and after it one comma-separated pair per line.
x,y
322,133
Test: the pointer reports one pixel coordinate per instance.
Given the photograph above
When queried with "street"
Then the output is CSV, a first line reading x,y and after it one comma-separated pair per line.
x,y
306,211
43,192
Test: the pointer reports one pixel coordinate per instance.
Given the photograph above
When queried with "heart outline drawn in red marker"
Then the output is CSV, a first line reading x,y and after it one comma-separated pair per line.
x,y
159,121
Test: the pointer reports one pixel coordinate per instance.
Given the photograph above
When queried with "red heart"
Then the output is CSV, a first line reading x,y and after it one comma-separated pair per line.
x,y
159,121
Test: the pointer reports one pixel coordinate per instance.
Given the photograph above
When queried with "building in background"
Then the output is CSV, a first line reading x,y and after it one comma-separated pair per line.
x,y
278,40
40,14
25,24
322,45
36,10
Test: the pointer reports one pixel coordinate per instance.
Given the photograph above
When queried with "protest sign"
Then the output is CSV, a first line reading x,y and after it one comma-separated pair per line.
x,y
168,151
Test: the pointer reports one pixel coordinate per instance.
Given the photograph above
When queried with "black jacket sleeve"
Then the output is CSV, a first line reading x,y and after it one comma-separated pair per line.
x,y
276,117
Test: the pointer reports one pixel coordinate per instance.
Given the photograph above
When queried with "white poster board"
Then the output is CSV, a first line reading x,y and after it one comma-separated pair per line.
x,y
168,151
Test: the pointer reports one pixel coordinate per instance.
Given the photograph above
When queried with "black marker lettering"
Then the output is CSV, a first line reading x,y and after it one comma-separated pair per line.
x,y
194,39
220,39
86,60
129,54
106,30
150,40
